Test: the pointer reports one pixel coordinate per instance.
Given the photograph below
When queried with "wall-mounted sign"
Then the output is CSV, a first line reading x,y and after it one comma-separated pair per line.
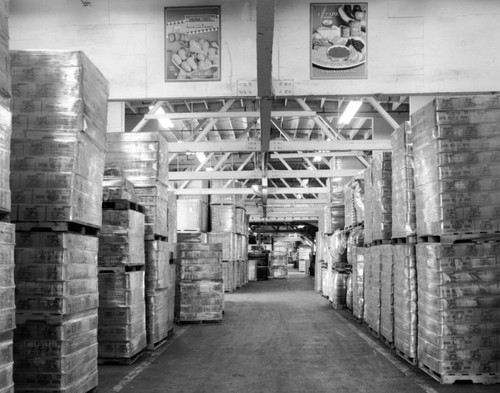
x,y
246,88
192,43
283,87
339,40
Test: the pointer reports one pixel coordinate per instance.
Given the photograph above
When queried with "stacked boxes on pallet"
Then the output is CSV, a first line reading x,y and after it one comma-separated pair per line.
x,y
7,231
59,133
228,223
121,274
7,303
193,214
199,285
404,232
278,264
456,146
378,257
142,158
356,257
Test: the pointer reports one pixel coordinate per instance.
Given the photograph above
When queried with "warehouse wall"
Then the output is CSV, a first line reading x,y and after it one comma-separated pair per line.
x,y
425,46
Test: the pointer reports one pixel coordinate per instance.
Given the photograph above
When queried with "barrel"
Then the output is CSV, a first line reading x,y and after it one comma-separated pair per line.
x,y
339,281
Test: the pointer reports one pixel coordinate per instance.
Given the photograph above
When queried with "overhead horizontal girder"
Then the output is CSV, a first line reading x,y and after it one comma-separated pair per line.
x,y
259,174
279,146
246,191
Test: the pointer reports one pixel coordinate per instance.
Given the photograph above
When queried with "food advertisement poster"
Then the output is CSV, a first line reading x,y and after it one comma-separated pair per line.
x,y
339,40
192,41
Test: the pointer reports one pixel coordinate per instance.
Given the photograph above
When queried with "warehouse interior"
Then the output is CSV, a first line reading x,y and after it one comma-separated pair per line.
x,y
266,224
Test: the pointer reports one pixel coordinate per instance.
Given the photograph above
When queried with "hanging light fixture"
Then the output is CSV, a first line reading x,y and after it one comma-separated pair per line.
x,y
349,112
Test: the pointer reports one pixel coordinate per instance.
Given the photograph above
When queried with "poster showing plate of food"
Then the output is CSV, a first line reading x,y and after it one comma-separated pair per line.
x,y
192,39
338,40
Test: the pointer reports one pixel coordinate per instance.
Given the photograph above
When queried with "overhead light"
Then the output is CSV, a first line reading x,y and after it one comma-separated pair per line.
x,y
165,122
317,158
209,169
201,157
350,111
257,189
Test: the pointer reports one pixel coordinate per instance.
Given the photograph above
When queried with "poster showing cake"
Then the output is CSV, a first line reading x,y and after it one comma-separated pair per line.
x,y
192,43
339,40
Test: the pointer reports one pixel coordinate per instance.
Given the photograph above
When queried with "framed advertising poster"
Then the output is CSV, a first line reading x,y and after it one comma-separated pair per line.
x,y
339,40
192,41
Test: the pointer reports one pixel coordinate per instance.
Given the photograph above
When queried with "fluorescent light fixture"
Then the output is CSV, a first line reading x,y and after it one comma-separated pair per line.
x,y
164,121
350,111
317,158
209,169
201,157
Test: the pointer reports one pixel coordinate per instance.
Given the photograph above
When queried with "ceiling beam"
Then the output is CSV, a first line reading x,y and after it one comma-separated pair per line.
x,y
246,191
258,174
225,115
385,115
279,145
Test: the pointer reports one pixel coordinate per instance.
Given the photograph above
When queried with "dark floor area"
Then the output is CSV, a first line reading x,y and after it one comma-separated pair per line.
x,y
277,336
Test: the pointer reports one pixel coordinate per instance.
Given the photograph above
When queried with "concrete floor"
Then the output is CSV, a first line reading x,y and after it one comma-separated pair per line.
x,y
278,336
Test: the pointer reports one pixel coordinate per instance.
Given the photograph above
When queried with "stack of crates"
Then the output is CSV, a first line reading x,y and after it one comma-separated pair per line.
x,y
192,213
228,225
278,263
356,258
7,230
58,142
122,309
199,286
404,239
457,165
386,293
142,158
7,303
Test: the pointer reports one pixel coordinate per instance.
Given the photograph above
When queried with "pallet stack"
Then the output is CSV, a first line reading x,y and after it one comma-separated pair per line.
x,y
193,220
379,293
278,264
7,303
404,239
121,274
356,257
456,146
199,285
59,134
142,158
228,224
7,230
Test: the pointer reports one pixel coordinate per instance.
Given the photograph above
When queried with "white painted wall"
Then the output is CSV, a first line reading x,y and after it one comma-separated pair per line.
x,y
415,46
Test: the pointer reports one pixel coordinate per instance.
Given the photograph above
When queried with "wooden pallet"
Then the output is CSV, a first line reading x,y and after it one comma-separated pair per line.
x,y
123,204
485,379
120,269
122,361
387,342
199,322
452,238
381,242
404,240
339,306
57,226
153,237
413,361
372,331
156,345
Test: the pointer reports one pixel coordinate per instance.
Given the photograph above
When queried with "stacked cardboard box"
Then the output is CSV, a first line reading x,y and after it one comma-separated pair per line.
x,y
336,204
371,314
382,196
199,285
456,146
160,290
7,231
142,158
278,265
58,140
55,343
403,233
121,276
192,210
387,293
405,300
459,310
7,304
229,259
356,257
403,183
